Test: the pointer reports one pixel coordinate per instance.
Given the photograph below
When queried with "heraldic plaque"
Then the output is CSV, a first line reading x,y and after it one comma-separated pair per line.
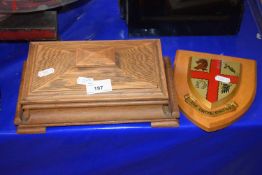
x,y
95,82
214,90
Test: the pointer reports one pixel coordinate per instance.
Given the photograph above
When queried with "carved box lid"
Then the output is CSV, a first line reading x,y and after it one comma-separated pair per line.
x,y
135,68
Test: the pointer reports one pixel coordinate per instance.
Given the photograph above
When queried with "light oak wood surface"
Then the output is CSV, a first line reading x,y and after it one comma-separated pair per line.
x,y
140,80
243,95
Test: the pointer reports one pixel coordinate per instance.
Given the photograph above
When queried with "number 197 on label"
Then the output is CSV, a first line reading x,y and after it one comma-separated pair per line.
x,y
98,88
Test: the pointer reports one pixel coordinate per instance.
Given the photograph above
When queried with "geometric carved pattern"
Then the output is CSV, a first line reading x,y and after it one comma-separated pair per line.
x,y
94,57
136,70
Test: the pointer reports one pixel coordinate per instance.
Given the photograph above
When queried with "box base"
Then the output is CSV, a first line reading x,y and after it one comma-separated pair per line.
x,y
159,115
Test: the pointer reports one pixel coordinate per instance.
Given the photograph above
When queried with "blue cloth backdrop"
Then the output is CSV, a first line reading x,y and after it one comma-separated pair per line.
x,y
131,149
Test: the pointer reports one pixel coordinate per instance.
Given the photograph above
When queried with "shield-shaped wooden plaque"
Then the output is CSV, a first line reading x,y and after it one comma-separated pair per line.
x,y
214,90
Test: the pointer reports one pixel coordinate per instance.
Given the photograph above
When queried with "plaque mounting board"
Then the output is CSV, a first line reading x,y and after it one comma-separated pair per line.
x,y
214,90
142,85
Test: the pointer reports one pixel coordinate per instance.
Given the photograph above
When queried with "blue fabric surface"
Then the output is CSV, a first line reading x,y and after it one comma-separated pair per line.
x,y
130,148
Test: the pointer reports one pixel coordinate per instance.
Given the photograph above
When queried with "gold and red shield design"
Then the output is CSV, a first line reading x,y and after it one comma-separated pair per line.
x,y
214,90
213,81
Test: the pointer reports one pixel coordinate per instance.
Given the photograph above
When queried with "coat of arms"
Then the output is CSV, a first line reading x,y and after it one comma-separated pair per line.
x,y
214,90
213,81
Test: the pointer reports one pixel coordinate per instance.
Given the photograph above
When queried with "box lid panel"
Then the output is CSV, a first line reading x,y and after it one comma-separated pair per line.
x,y
135,68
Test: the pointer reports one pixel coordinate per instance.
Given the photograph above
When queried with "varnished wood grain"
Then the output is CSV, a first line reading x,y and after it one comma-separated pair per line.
x,y
126,75
243,97
30,130
95,57
171,86
136,68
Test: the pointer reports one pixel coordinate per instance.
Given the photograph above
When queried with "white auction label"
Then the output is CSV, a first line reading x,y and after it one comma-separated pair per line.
x,y
222,79
46,72
99,86
84,81
90,89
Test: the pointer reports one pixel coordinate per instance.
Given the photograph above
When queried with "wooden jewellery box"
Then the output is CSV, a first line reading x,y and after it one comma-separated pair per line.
x,y
62,85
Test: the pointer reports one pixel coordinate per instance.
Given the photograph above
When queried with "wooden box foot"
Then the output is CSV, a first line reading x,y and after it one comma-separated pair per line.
x,y
165,124
30,130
